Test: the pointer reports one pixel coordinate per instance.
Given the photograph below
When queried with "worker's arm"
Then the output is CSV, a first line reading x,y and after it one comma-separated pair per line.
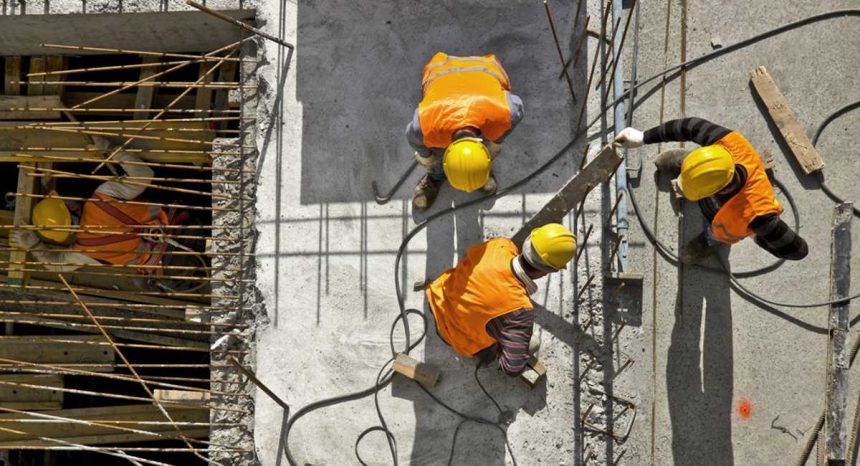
x,y
702,132
513,332
124,190
49,256
517,112
777,238
415,136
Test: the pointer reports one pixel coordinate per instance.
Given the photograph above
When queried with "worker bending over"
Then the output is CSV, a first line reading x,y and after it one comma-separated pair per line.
x,y
727,177
466,111
482,306
107,230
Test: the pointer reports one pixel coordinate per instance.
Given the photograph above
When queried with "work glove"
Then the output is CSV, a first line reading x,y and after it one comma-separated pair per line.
x,y
495,149
426,161
24,239
630,138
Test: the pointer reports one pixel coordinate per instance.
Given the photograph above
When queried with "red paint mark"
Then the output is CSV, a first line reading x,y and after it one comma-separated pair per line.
x,y
744,409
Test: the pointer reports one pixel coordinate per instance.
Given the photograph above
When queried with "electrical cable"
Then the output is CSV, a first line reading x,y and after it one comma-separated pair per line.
x,y
820,173
383,380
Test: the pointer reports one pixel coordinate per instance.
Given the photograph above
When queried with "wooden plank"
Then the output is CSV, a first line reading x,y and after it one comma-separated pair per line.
x,y
7,218
203,98
789,126
145,94
37,65
54,63
534,372
568,197
92,435
12,76
40,349
23,207
227,73
409,367
27,102
18,397
187,397
838,360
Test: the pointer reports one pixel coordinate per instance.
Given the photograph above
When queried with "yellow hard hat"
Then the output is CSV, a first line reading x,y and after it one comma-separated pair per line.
x,y
467,164
554,244
705,171
52,212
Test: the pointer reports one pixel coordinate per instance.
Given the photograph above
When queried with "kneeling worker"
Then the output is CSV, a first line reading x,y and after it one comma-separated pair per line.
x,y
104,212
727,177
466,111
482,306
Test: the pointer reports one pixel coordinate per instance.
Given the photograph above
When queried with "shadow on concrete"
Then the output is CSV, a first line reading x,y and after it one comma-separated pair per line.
x,y
699,379
358,81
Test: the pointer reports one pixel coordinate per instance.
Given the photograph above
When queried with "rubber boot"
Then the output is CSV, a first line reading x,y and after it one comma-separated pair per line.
x,y
696,250
490,186
425,193
669,162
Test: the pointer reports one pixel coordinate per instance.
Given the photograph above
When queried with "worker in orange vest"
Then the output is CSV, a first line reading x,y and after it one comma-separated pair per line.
x,y
482,306
104,229
727,178
466,111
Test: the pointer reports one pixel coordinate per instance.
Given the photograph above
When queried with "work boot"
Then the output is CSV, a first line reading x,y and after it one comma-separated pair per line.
x,y
425,193
490,186
696,250
669,162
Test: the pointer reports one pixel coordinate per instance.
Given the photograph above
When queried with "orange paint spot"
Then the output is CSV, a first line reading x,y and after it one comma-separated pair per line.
x,y
744,409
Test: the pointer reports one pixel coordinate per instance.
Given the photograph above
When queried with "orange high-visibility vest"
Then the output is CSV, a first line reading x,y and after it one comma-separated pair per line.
x,y
731,223
463,92
121,246
480,288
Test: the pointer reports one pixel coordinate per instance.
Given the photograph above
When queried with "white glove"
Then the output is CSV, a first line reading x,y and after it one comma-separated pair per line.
x,y
428,161
495,149
630,138
24,239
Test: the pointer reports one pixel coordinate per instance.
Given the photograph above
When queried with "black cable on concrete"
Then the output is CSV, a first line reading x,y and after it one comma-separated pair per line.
x,y
820,174
383,381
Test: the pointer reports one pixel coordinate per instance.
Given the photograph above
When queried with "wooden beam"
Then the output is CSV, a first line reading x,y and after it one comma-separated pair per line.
x,y
227,73
203,99
534,372
410,367
838,360
569,197
27,102
18,397
12,76
23,207
145,94
789,126
149,417
186,397
37,348
7,218
54,63
37,65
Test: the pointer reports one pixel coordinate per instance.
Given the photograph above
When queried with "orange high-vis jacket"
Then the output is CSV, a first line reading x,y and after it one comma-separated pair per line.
x,y
731,223
480,288
462,92
121,246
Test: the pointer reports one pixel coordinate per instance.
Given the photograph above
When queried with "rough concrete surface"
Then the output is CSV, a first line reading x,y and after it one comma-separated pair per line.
x,y
697,348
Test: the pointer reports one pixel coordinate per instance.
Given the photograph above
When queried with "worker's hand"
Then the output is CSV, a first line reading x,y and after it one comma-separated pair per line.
x,y
495,149
23,239
630,138
426,161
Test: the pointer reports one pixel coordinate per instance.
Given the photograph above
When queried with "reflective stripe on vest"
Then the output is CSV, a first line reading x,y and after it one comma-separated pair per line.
x,y
460,92
731,223
123,247
480,288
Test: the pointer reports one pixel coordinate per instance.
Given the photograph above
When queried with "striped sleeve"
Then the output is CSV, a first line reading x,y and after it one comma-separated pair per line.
x,y
700,131
775,237
513,332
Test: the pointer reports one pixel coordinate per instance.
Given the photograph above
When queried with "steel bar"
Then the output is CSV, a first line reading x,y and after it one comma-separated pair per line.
x,y
620,50
132,307
117,110
167,84
131,52
240,24
154,234
583,244
125,266
86,273
119,201
580,40
106,122
72,175
75,325
131,369
593,67
112,129
165,253
584,287
173,102
615,206
145,137
123,449
196,349
145,320
131,66
160,294
250,375
22,158
615,248
607,67
558,47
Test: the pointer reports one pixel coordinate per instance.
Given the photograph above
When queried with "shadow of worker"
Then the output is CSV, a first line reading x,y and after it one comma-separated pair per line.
x,y
448,239
699,363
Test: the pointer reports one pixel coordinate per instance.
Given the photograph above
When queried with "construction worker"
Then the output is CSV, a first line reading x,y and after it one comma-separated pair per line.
x,y
727,178
466,111
100,230
482,306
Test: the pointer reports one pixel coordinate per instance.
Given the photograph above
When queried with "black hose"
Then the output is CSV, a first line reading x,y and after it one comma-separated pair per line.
x,y
820,174
383,380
